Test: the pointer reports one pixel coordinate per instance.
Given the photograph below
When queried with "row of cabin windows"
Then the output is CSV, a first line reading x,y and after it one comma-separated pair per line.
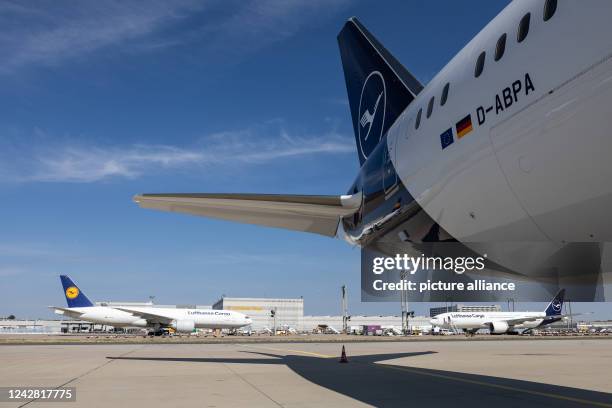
x,y
550,7
430,105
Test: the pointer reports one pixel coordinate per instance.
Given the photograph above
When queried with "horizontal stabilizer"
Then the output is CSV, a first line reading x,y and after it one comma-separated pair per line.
x,y
65,311
309,213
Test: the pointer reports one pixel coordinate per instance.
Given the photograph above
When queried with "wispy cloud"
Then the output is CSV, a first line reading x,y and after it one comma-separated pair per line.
x,y
76,162
48,33
32,257
258,23
12,250
244,258
6,271
93,163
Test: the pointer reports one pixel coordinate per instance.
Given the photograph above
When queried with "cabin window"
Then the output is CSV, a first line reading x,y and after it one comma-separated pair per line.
x,y
549,9
418,119
479,64
523,29
500,48
430,107
444,94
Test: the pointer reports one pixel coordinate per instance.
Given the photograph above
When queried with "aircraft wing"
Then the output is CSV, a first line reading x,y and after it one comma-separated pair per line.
x,y
148,316
309,213
512,322
521,320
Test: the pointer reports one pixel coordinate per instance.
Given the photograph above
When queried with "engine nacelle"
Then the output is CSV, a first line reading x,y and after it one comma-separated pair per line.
x,y
140,323
498,327
183,326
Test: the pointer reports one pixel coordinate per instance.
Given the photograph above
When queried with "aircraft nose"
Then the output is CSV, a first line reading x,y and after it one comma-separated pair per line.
x,y
434,321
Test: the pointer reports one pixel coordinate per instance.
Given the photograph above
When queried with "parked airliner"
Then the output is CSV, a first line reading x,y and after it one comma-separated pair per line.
x,y
505,154
179,319
501,322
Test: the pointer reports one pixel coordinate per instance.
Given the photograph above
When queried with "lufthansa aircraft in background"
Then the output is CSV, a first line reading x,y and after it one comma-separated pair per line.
x,y
501,322
181,320
505,154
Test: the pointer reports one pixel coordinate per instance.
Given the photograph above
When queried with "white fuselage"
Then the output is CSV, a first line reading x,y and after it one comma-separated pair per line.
x,y
534,169
201,318
482,320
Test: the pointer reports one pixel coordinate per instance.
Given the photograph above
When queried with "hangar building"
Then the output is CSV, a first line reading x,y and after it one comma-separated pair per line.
x,y
288,312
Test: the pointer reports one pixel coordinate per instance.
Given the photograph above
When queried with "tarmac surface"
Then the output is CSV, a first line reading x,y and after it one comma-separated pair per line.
x,y
494,373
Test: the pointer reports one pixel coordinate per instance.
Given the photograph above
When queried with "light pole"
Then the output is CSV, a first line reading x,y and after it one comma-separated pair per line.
x,y
273,316
345,316
571,318
404,302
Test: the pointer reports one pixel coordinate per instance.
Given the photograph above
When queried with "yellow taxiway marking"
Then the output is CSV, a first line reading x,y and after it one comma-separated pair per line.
x,y
450,377
308,353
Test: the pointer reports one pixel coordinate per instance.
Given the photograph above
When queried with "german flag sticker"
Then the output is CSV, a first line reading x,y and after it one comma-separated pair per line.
x,y
464,126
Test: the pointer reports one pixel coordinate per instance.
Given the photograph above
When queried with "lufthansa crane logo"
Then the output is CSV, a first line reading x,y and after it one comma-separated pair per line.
x,y
372,107
72,292
556,304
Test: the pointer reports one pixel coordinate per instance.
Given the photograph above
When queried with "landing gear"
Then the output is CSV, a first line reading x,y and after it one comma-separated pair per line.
x,y
158,331
470,333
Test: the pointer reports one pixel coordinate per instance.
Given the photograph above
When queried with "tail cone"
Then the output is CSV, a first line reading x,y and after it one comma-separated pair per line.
x,y
343,358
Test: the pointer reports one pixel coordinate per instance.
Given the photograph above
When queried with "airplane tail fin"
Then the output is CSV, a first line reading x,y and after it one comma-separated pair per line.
x,y
555,305
74,296
379,87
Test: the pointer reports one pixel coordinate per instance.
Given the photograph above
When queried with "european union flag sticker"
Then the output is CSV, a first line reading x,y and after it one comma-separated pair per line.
x,y
446,138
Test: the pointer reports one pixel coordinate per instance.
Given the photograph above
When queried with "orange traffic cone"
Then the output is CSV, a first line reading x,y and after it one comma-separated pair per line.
x,y
343,358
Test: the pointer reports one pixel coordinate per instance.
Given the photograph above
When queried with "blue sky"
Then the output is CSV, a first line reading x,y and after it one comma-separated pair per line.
x,y
103,100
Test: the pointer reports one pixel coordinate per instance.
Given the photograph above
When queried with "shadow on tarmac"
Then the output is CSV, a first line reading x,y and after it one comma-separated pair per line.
x,y
388,385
